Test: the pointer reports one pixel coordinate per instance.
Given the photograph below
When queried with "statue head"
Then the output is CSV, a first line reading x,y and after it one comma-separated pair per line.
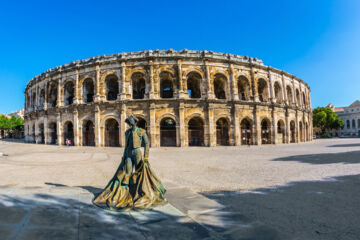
x,y
131,121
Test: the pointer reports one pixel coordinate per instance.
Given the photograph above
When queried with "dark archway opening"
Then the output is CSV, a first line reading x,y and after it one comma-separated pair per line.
x,y
69,93
111,133
88,134
196,132
246,133
167,132
265,132
112,87
222,132
193,85
292,132
53,133
69,133
88,91
281,131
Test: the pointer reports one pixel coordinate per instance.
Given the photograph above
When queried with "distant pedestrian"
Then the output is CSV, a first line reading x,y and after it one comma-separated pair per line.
x,y
67,142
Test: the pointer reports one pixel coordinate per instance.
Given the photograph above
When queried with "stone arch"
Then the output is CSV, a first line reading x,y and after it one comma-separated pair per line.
x,y
243,88
88,133
277,92
68,132
265,131
280,130
42,98
168,132
297,97
262,90
166,85
138,84
112,87
289,94
303,99
194,81
88,90
195,128
41,134
52,132
220,86
111,132
246,131
52,94
33,103
292,131
222,131
69,92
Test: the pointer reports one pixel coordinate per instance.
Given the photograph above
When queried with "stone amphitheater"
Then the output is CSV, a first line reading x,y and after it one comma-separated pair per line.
x,y
182,98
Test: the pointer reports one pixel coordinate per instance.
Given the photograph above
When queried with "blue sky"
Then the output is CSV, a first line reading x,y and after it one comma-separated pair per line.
x,y
316,40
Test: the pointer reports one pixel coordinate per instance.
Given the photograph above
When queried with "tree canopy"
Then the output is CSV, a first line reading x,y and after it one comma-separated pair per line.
x,y
325,118
13,123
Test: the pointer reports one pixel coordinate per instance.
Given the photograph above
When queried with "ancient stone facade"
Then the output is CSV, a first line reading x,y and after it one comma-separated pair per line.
x,y
182,98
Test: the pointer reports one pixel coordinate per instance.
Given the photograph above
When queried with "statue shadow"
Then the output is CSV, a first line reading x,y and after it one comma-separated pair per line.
x,y
346,145
324,158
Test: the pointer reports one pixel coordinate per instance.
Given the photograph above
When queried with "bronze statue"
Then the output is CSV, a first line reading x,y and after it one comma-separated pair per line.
x,y
134,185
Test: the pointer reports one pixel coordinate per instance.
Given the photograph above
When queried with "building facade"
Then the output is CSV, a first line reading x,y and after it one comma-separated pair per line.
x,y
351,117
181,98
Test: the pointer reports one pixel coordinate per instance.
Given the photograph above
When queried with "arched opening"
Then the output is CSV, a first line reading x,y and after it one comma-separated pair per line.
x,y
111,133
297,97
246,133
277,92
2,133
167,132
138,85
112,87
196,132
222,132
301,133
193,85
142,123
28,103
289,94
280,131
88,90
69,133
262,90
243,88
88,133
265,132
33,101
348,124
53,133
304,99
42,99
220,86
69,93
52,95
33,134
41,137
292,132
166,85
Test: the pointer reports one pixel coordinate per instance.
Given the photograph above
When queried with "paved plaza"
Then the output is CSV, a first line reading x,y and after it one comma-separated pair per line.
x,y
296,191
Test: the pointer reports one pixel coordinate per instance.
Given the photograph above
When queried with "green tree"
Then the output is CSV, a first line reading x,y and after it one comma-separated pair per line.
x,y
325,119
4,122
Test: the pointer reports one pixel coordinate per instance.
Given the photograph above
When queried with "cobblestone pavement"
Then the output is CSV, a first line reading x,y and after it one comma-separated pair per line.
x,y
297,191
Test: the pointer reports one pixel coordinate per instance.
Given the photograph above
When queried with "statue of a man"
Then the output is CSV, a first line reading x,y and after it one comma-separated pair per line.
x,y
134,185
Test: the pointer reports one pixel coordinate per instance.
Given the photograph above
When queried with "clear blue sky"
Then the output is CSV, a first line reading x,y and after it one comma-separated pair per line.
x,y
316,40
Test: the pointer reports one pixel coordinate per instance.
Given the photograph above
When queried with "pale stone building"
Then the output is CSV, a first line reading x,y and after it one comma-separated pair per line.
x,y
351,117
182,98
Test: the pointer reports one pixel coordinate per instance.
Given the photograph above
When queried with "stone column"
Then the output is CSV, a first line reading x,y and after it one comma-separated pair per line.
x,y
123,81
151,80
46,97
287,127
182,124
181,83
297,132
234,89
274,133
285,96
76,127
46,128
59,129
209,89
122,124
254,84
97,97
237,127
257,127
271,92
294,93
98,133
210,131
119,85
59,97
154,142
77,90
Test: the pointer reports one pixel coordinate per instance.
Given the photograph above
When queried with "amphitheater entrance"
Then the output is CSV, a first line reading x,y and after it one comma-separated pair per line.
x,y
292,132
246,132
280,132
69,93
265,132
111,133
41,134
193,85
52,97
52,133
167,132
88,133
112,87
69,133
196,132
222,132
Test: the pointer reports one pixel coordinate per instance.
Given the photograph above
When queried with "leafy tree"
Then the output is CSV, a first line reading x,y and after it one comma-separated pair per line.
x,y
325,119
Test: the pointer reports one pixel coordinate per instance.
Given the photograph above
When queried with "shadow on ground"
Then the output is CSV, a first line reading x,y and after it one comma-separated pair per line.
x,y
303,210
346,145
325,158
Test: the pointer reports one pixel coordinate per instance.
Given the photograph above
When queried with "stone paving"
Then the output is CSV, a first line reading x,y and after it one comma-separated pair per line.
x,y
302,191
